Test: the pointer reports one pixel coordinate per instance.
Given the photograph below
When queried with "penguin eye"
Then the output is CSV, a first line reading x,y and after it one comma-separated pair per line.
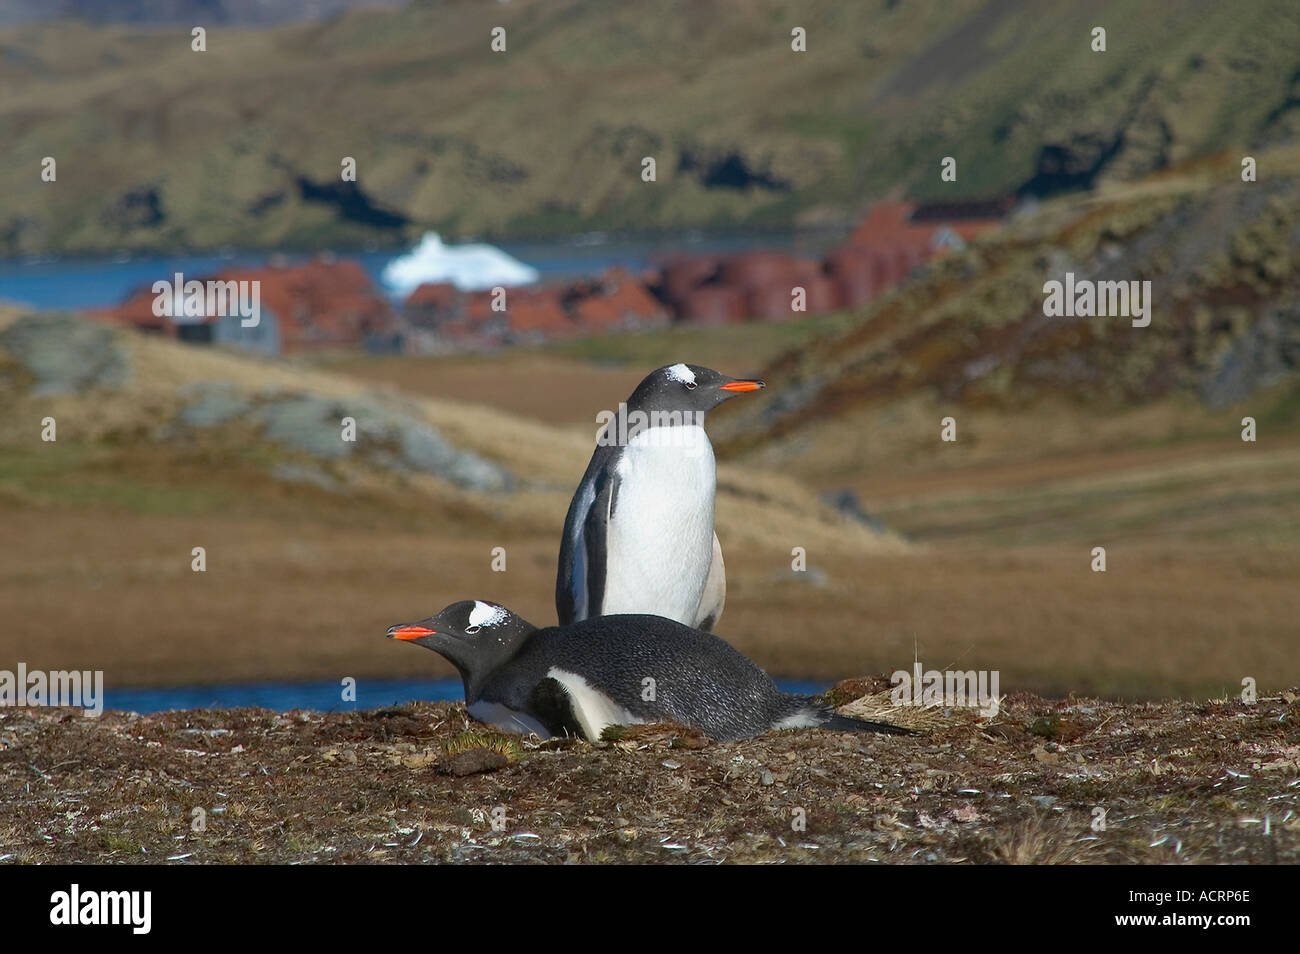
x,y
690,385
471,631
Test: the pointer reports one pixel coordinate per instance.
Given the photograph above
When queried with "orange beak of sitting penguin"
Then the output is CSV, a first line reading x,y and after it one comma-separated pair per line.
x,y
408,631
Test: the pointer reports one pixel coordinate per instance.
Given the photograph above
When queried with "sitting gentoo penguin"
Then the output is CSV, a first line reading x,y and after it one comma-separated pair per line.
x,y
639,536
611,670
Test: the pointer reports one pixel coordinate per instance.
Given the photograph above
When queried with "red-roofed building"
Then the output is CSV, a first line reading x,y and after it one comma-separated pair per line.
x,y
757,284
895,237
755,269
276,309
715,305
617,301
442,318
683,275
536,315
136,312
434,296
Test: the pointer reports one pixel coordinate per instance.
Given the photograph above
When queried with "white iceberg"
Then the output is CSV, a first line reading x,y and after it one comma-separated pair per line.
x,y
468,267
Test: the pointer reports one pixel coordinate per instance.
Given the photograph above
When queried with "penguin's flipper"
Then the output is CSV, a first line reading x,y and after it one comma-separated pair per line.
x,y
580,583
839,723
571,602
551,704
595,532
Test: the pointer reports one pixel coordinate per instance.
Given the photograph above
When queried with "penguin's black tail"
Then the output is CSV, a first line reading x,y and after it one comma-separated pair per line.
x,y
839,723
811,712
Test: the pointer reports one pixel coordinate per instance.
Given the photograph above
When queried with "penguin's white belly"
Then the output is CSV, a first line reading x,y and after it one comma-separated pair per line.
x,y
592,709
659,541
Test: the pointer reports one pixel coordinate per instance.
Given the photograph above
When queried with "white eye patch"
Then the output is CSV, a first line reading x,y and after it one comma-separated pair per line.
x,y
485,614
679,372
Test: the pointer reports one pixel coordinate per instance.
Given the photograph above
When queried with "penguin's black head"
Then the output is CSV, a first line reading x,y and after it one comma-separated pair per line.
x,y
473,635
687,387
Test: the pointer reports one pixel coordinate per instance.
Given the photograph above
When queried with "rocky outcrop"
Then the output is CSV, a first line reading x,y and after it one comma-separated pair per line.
x,y
45,355
66,355
1267,353
386,435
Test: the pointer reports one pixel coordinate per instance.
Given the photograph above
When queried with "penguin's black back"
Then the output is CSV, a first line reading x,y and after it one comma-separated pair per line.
x,y
698,679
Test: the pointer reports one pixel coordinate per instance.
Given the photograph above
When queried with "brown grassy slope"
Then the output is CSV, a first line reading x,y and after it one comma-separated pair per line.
x,y
304,570
1175,783
1073,435
564,383
301,580
968,338
1067,441
165,148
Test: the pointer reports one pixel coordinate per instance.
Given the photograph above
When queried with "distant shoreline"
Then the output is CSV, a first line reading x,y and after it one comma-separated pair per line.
x,y
760,235
81,281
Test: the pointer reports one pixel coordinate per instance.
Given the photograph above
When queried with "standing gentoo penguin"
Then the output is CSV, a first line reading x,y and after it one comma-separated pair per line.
x,y
611,670
639,536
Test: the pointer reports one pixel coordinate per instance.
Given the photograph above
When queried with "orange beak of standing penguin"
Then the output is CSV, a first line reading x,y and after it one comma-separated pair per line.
x,y
408,631
741,386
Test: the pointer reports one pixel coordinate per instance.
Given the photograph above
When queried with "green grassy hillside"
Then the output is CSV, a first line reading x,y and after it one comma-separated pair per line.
x,y
161,147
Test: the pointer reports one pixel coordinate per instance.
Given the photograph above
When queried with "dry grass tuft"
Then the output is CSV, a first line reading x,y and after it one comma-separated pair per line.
x,y
1044,841
471,739
878,707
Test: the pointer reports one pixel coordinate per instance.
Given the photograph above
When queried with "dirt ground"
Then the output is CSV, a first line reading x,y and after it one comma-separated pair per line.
x,y
1052,782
